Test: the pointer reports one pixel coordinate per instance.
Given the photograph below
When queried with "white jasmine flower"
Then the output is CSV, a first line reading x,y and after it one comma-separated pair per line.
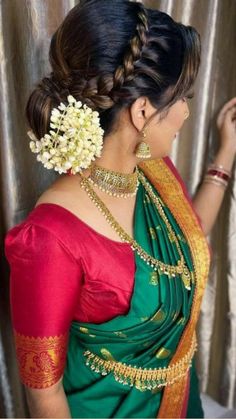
x,y
62,106
74,140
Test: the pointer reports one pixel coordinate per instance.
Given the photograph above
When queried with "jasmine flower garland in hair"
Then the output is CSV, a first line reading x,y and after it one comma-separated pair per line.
x,y
74,140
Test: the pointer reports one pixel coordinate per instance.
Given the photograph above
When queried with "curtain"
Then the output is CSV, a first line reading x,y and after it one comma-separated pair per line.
x,y
26,27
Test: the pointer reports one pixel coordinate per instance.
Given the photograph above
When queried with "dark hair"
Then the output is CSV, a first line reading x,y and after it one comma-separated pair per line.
x,y
108,53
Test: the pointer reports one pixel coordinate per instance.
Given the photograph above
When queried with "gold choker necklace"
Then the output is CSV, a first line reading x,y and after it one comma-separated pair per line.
x,y
114,183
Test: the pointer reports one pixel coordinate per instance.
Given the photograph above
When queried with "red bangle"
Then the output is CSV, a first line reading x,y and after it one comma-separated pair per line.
x,y
219,174
220,168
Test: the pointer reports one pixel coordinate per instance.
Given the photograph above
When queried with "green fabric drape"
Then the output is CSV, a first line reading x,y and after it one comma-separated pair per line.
x,y
146,336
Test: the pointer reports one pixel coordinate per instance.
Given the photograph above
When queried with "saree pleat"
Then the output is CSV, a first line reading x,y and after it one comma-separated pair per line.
x,y
147,336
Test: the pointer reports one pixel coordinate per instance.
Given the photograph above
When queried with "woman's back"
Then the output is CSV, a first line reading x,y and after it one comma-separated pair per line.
x,y
66,191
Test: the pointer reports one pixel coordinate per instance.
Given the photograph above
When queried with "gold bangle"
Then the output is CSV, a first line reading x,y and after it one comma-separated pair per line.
x,y
215,181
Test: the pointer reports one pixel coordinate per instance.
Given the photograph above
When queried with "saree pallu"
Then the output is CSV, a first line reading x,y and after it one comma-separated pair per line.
x,y
106,373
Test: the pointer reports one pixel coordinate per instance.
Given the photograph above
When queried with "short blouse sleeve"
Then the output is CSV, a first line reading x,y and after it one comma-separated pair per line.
x,y
45,280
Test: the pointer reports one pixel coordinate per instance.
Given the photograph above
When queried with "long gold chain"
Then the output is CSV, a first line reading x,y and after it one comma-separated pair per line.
x,y
163,268
187,276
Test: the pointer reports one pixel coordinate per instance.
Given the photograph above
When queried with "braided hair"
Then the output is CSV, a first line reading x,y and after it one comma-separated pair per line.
x,y
107,54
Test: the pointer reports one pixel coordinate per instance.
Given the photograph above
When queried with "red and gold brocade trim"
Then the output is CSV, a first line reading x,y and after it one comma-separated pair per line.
x,y
41,360
171,192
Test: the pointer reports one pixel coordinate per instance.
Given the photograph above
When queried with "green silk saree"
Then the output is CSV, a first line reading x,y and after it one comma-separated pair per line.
x,y
101,378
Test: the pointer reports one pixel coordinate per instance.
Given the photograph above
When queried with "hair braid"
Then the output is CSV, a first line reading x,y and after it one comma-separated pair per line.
x,y
125,72
96,91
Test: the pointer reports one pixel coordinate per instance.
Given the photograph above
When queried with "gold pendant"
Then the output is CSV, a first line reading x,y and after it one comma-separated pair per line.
x,y
186,278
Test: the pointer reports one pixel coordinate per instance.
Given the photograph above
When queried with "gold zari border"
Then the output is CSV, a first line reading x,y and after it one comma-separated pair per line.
x,y
171,192
41,360
142,378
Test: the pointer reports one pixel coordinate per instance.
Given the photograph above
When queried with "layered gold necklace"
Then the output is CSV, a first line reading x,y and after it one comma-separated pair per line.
x,y
170,270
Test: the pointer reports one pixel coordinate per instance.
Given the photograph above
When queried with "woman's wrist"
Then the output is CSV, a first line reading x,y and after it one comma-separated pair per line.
x,y
224,157
219,171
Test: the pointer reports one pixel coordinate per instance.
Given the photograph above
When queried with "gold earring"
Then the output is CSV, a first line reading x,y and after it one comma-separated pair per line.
x,y
143,150
186,115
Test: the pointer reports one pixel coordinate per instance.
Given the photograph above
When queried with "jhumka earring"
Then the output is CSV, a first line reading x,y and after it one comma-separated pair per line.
x,y
143,150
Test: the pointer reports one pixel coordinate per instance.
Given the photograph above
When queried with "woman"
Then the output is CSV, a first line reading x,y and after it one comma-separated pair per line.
x,y
109,268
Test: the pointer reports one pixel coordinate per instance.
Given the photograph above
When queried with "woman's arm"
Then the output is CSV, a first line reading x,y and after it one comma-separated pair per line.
x,y
45,281
208,199
48,403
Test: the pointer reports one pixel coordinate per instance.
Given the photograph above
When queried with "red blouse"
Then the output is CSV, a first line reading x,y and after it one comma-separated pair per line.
x,y
61,270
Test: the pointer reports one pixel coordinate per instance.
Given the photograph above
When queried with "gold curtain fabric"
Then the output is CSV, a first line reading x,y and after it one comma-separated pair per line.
x,y
26,27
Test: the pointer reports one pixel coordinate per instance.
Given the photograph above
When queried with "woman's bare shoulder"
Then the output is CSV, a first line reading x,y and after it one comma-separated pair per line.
x,y
62,192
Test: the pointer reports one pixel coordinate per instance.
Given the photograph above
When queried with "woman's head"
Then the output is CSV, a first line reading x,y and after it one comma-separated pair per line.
x,y
109,54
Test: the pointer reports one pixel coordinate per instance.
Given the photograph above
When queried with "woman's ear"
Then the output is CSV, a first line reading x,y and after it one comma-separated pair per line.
x,y
137,113
140,111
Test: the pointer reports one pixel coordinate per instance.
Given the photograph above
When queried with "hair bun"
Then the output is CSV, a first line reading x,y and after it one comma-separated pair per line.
x,y
54,88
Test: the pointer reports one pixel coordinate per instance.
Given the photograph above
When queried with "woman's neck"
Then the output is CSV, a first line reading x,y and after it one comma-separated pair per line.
x,y
118,154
